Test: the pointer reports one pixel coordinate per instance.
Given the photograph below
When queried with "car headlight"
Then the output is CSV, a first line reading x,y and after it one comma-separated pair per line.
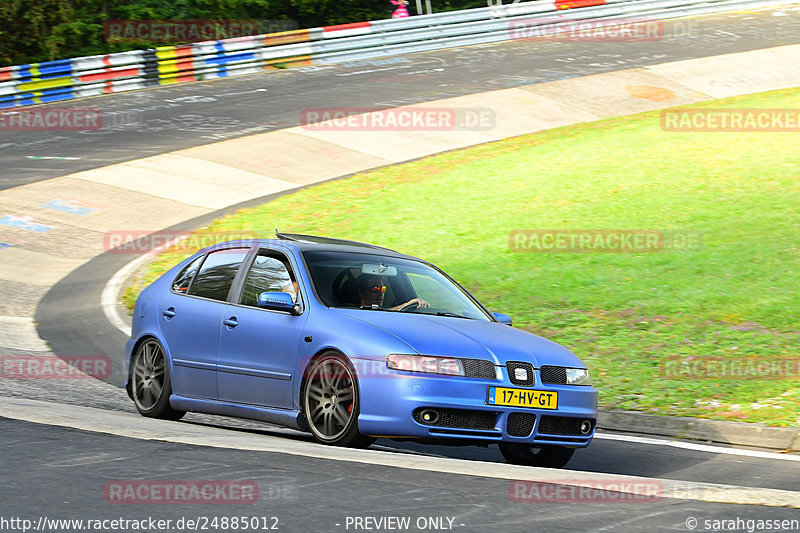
x,y
578,376
426,363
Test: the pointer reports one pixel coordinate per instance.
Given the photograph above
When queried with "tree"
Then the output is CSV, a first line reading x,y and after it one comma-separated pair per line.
x,y
45,30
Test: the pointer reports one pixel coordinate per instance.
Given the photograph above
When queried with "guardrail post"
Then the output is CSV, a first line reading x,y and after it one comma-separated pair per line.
x,y
427,5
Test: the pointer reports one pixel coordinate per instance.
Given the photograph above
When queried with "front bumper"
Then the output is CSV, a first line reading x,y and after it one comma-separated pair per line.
x,y
390,400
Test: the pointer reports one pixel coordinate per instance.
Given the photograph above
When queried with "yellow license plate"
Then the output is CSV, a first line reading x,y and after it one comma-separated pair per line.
x,y
535,399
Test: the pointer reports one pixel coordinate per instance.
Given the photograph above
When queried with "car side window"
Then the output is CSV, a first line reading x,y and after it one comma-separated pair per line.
x,y
270,272
216,274
184,279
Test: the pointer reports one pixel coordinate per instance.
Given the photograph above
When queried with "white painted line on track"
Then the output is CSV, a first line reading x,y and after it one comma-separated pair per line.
x,y
697,447
108,298
131,425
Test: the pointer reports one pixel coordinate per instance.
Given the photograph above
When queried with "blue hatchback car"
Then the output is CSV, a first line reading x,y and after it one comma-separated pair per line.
x,y
352,342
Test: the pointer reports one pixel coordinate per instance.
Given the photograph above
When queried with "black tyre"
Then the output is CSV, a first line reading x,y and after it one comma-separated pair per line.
x,y
545,456
150,382
331,403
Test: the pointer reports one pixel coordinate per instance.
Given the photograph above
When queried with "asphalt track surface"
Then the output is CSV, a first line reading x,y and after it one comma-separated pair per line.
x,y
60,473
304,494
159,120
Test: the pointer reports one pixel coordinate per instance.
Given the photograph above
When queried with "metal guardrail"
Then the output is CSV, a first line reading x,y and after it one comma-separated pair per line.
x,y
87,76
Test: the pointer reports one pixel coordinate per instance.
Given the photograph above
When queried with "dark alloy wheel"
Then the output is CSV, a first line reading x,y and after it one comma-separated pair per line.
x,y
545,456
150,382
331,403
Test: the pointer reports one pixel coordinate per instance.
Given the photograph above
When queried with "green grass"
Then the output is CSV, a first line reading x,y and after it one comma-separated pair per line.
x,y
624,314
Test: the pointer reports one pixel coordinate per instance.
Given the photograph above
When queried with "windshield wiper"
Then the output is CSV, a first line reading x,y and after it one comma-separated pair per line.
x,y
444,313
439,313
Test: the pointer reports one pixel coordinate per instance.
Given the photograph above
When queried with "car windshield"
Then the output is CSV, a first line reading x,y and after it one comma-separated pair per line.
x,y
383,283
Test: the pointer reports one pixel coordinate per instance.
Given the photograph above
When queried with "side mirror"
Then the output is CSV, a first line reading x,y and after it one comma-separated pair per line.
x,y
279,301
504,319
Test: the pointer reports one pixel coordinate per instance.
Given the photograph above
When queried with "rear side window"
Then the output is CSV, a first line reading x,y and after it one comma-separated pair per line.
x,y
184,279
216,275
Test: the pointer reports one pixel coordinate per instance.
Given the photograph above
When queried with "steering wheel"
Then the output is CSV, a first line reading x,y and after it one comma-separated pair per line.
x,y
410,307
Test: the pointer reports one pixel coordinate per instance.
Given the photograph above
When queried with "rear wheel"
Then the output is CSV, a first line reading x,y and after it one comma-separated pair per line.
x,y
331,403
150,382
545,456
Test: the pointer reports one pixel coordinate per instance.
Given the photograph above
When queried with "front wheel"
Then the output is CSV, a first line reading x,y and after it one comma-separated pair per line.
x,y
331,403
544,456
150,382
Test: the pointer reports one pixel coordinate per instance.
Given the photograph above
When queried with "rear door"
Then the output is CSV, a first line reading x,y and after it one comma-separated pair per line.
x,y
191,319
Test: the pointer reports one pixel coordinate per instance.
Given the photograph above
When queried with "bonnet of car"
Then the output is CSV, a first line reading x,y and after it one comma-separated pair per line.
x,y
473,339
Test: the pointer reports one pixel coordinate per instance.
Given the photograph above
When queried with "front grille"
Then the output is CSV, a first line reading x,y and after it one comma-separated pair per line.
x,y
513,366
561,425
479,368
458,418
556,375
520,424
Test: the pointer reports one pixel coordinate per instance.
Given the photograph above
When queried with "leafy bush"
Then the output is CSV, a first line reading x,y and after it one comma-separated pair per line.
x,y
44,30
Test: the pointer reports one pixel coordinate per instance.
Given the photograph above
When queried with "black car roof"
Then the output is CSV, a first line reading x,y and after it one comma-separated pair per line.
x,y
314,239
328,244
325,244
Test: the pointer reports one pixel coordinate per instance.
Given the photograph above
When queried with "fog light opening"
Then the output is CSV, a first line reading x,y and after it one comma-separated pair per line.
x,y
429,416
586,427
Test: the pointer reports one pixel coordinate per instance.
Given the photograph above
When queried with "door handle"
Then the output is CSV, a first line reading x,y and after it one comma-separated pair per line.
x,y
231,322
169,312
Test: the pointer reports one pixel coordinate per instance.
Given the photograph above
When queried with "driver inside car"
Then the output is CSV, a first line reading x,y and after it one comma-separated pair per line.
x,y
371,291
